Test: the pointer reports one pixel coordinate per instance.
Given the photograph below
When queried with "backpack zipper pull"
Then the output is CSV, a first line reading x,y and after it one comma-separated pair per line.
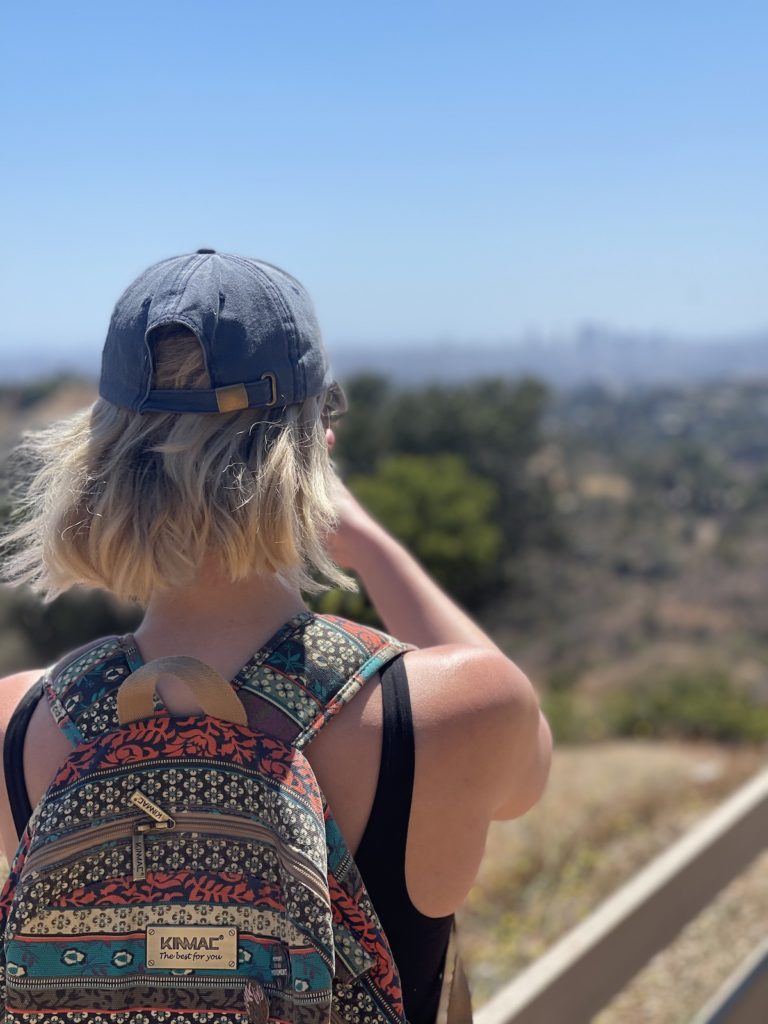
x,y
160,821
256,1002
138,856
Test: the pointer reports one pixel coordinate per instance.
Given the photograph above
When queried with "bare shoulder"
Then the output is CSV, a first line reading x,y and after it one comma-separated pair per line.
x,y
477,713
469,680
12,689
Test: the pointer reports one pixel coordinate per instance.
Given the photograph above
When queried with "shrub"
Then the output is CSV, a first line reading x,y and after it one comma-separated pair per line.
x,y
690,704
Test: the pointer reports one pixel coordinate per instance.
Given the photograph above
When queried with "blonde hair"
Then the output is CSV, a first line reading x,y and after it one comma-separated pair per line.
x,y
133,502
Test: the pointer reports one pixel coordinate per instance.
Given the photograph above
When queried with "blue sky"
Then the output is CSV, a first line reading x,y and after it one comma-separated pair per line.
x,y
429,170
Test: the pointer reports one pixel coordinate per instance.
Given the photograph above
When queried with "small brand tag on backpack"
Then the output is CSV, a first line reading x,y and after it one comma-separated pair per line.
x,y
191,948
279,967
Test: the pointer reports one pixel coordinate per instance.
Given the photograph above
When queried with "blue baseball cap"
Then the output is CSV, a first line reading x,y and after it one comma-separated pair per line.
x,y
255,323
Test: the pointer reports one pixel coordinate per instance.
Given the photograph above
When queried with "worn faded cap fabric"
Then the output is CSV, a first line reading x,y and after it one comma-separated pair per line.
x,y
256,325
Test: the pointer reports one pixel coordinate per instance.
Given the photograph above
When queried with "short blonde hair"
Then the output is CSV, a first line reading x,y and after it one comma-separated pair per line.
x,y
134,502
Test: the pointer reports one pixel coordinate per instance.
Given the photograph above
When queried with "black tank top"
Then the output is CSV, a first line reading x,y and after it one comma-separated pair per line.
x,y
418,942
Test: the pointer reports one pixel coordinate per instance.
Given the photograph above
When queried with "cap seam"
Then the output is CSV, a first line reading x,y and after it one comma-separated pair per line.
x,y
280,302
184,277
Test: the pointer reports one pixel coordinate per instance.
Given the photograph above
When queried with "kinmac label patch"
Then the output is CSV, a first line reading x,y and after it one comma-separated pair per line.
x,y
187,947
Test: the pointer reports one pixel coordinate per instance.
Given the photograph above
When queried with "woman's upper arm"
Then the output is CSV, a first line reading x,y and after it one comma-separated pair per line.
x,y
527,762
519,743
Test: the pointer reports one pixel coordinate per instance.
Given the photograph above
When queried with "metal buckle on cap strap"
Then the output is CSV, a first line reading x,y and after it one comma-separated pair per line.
x,y
273,382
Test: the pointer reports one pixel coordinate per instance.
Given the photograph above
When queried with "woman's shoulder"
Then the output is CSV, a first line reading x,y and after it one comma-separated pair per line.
x,y
12,689
476,712
467,685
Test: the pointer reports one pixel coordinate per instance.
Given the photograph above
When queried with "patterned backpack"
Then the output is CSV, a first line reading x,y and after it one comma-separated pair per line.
x,y
187,869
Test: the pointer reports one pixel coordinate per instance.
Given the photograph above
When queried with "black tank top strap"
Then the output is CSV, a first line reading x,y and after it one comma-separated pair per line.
x,y
13,756
387,827
419,942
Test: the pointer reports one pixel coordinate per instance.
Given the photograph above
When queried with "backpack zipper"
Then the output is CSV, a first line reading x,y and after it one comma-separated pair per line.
x,y
166,762
193,823
172,981
159,820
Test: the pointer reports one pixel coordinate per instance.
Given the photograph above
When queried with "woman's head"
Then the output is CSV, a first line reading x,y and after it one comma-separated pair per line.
x,y
133,501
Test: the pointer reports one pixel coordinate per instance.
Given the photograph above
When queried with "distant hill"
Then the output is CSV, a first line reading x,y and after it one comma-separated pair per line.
x,y
593,356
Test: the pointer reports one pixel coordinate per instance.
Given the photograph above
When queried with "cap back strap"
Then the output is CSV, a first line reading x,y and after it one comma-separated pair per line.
x,y
262,393
135,698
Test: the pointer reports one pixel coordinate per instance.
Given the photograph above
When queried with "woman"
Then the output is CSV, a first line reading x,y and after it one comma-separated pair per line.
x,y
200,485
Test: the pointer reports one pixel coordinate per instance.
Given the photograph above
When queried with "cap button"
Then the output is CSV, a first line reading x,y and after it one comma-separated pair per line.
x,y
203,252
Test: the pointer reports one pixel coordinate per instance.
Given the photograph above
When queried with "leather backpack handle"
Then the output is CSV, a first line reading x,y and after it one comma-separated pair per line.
x,y
135,698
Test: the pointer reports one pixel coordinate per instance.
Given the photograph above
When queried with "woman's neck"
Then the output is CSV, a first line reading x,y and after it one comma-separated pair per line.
x,y
217,621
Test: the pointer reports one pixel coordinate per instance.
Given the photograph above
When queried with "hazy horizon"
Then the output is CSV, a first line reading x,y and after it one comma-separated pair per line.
x,y
595,354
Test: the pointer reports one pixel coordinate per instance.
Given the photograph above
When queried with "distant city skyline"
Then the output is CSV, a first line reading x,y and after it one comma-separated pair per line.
x,y
596,356
429,171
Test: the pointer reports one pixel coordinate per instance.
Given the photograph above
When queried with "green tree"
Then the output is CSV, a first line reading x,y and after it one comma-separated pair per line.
x,y
364,435
441,512
494,426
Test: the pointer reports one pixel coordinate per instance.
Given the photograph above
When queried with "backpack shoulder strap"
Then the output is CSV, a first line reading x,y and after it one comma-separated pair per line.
x,y
290,688
67,686
307,678
81,688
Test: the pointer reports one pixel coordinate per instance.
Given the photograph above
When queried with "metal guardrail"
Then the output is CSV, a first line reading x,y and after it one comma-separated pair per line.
x,y
743,999
580,974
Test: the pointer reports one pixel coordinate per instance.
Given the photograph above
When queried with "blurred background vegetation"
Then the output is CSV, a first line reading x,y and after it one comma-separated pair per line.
x,y
612,543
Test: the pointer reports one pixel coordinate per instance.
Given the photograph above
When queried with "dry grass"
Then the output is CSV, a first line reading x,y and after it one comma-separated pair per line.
x,y
608,811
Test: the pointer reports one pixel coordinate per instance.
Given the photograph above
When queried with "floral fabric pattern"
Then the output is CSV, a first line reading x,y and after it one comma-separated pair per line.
x,y
194,826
